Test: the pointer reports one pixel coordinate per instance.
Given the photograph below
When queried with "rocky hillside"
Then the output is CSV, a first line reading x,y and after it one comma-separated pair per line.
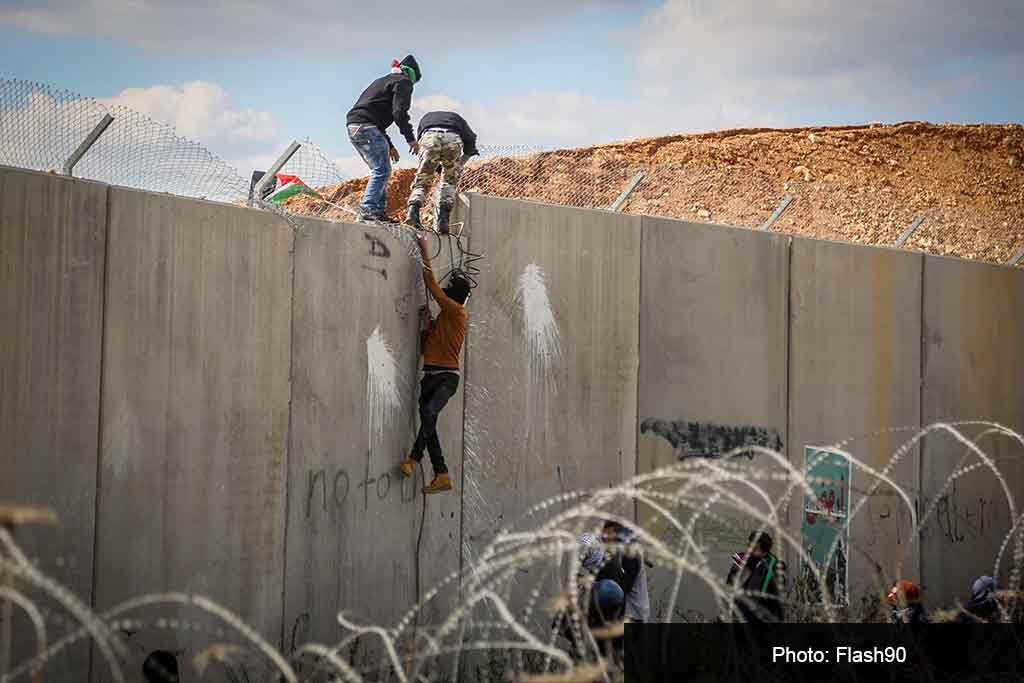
x,y
858,183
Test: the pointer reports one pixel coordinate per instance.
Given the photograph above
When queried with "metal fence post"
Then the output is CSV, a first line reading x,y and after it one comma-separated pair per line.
x,y
273,170
786,201
628,190
905,235
88,142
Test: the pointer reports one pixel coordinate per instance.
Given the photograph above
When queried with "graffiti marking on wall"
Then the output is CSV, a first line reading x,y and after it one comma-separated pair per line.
x,y
960,518
707,439
383,272
377,247
326,489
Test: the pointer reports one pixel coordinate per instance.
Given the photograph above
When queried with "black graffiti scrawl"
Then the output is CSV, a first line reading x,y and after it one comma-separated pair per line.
x,y
707,439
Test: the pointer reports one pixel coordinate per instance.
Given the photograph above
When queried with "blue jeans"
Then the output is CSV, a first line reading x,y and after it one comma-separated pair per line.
x,y
373,147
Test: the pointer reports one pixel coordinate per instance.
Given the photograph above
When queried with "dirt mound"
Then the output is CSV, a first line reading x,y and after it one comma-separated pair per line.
x,y
859,184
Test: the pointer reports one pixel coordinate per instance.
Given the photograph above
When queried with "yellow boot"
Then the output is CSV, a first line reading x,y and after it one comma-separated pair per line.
x,y
442,482
408,467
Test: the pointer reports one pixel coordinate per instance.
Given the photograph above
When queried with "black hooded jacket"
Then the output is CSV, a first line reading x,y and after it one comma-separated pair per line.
x,y
450,121
759,575
385,101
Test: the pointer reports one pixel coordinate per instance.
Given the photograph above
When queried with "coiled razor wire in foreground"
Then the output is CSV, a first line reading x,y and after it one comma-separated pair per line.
x,y
41,126
520,608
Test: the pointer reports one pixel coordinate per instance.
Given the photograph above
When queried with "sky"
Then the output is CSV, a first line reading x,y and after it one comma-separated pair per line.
x,y
245,78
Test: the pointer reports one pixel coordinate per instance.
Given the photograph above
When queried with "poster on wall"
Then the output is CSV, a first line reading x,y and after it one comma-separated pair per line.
x,y
825,534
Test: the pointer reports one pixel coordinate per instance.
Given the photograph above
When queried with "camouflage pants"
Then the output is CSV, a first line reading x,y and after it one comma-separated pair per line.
x,y
442,149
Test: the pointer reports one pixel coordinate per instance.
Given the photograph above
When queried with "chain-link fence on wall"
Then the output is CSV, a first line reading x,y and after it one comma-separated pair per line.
x,y
41,127
849,184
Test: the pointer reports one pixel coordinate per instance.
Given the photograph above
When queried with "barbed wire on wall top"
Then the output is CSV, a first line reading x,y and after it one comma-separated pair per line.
x,y
41,127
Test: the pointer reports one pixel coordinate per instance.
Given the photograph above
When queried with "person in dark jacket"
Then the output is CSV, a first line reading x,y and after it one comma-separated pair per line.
x,y
982,607
601,576
757,573
385,101
905,605
446,142
633,569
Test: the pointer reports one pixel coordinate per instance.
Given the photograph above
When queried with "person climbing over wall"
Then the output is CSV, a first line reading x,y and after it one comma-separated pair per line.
x,y
441,340
385,101
446,142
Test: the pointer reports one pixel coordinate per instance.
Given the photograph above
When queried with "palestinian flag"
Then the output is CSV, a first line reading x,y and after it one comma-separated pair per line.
x,y
287,187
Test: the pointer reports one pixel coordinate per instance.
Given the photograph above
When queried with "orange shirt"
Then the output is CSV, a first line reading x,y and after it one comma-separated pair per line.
x,y
443,341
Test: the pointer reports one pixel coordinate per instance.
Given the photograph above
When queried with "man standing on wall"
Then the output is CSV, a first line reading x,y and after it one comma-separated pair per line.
x,y
446,142
385,101
441,340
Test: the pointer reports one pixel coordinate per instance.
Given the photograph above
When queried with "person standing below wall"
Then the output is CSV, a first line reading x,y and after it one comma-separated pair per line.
x,y
446,142
905,604
441,342
757,572
633,570
600,600
385,101
982,607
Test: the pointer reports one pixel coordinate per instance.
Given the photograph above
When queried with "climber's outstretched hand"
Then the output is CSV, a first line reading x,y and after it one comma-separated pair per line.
x,y
421,239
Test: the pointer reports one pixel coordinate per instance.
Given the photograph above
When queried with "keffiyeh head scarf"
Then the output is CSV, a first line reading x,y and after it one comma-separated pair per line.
x,y
591,552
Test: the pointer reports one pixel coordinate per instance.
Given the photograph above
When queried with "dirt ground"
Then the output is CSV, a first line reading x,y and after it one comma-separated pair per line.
x,y
861,184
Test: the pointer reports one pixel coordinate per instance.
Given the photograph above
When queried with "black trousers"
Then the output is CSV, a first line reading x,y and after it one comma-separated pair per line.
x,y
435,390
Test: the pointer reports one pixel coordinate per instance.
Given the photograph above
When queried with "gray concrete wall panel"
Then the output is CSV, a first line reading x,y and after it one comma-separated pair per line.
x,y
195,409
855,367
552,370
712,359
973,370
52,251
354,522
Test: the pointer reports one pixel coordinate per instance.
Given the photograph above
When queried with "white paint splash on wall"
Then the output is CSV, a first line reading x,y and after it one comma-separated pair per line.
x,y
383,390
543,350
540,328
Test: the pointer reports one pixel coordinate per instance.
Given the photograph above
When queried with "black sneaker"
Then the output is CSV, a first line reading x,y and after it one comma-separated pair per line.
x,y
377,218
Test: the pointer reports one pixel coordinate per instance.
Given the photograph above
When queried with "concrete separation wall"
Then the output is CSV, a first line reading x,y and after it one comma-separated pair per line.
x,y
195,409
712,358
352,519
52,251
355,524
973,340
855,367
245,389
552,364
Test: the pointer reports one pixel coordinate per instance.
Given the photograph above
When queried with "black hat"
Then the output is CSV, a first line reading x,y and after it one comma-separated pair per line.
x,y
411,62
458,288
